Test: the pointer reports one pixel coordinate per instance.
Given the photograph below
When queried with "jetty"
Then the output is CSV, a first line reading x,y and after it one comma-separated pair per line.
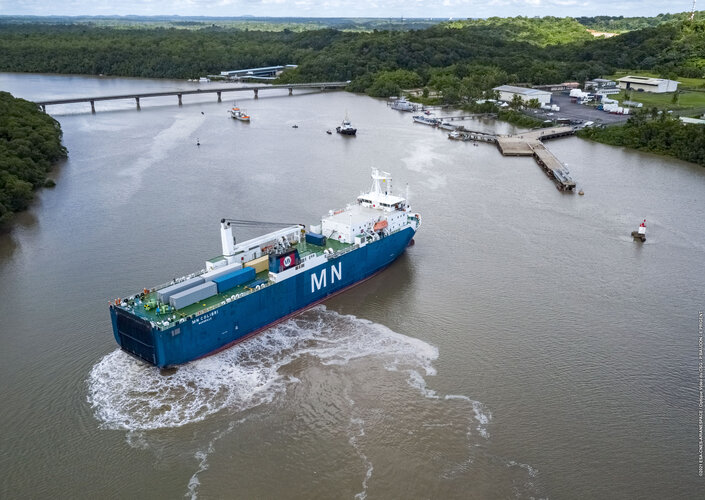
x,y
530,144
180,93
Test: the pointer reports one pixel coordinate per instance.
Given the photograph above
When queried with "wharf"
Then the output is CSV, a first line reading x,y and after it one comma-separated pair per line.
x,y
530,144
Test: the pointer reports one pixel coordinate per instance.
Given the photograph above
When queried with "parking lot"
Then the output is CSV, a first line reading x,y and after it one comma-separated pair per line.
x,y
576,113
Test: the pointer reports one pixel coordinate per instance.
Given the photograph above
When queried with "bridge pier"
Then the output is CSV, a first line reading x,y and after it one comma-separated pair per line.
x,y
179,95
219,99
256,96
92,106
291,91
137,100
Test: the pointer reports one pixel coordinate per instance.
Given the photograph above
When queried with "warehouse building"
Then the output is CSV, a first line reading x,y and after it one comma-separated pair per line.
x,y
507,93
648,84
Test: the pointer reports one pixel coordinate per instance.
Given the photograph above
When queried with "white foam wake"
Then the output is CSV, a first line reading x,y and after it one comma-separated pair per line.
x,y
127,394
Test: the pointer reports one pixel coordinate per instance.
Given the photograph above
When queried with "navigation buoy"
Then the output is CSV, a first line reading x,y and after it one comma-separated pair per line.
x,y
198,142
640,234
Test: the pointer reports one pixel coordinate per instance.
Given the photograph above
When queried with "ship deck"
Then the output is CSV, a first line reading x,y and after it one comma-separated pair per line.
x,y
210,303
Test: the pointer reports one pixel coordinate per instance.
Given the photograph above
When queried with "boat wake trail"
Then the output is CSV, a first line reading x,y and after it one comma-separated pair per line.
x,y
127,394
338,382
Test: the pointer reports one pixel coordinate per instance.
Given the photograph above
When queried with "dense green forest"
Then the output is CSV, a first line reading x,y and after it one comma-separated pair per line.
x,y
656,132
460,58
30,144
621,24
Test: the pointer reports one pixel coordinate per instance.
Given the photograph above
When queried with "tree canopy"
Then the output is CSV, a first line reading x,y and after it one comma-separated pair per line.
x,y
30,144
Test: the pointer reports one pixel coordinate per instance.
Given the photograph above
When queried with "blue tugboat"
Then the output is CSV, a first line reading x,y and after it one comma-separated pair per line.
x,y
265,280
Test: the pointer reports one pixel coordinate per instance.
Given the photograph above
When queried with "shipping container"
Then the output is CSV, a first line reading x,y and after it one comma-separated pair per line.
x,y
259,265
165,293
221,271
193,295
316,239
235,278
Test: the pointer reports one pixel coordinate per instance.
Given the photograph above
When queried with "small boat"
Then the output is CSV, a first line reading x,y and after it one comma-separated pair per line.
x,y
426,120
446,126
239,114
402,104
346,128
294,126
328,132
426,112
640,234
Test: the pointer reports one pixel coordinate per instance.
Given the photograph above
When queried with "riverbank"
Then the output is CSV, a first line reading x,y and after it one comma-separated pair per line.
x,y
661,134
30,146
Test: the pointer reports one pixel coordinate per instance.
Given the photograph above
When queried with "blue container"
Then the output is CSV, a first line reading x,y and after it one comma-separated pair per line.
x,y
316,239
231,280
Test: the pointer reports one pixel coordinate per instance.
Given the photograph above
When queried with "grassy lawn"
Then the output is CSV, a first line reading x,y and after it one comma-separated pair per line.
x,y
686,100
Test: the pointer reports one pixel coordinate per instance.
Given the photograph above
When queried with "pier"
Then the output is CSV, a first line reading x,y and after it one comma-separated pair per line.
x,y
466,117
179,93
530,144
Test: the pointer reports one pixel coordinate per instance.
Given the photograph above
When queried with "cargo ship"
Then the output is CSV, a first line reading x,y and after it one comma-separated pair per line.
x,y
260,282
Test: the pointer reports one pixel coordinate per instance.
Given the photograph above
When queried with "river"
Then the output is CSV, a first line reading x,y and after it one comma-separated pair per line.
x,y
524,347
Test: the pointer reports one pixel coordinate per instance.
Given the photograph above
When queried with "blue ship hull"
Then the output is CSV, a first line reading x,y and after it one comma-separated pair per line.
x,y
234,321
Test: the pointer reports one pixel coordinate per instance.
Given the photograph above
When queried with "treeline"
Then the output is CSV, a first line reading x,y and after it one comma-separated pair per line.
x,y
461,59
655,132
30,144
620,24
244,23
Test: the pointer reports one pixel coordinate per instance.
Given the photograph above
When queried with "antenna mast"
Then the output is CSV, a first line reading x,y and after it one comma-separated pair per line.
x,y
692,12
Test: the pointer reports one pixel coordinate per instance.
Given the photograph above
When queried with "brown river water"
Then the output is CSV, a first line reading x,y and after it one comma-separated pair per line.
x,y
524,347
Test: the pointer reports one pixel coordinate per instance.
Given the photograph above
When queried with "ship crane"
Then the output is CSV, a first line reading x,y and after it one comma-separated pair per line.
x,y
227,238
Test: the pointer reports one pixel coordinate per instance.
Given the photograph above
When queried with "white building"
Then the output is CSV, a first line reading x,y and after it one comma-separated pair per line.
x,y
507,93
648,84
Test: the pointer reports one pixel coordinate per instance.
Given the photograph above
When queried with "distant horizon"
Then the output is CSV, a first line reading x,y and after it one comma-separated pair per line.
x,y
340,9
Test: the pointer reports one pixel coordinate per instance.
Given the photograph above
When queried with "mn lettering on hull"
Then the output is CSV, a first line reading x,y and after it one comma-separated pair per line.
x,y
320,281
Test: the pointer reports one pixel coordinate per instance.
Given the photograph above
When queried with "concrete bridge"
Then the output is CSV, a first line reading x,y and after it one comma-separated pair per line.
x,y
179,93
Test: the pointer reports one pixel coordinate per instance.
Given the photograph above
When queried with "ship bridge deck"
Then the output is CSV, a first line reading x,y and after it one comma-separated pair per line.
x,y
147,308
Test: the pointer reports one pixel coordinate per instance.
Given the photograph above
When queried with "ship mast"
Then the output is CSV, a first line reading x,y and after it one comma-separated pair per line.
x,y
381,182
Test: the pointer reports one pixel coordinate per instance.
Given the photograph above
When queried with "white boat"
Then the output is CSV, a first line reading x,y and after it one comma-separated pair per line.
x,y
346,128
426,120
403,105
239,114
447,126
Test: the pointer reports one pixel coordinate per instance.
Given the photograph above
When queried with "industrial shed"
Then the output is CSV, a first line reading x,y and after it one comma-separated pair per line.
x,y
507,93
648,84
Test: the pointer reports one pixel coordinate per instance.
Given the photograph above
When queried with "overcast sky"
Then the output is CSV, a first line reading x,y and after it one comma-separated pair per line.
x,y
345,8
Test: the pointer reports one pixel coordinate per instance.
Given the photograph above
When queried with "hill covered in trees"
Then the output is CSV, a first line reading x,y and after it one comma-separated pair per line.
x,y
30,144
459,58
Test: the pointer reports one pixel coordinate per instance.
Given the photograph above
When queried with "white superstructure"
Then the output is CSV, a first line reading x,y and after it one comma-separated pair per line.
x,y
377,211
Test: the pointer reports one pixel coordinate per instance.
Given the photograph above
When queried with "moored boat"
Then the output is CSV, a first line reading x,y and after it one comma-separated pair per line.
x,y
402,104
426,120
265,280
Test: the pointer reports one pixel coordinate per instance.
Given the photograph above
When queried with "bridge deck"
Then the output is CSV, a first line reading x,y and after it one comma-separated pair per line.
x,y
250,88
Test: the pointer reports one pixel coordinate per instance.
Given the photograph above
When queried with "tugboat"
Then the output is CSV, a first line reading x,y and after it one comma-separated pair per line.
x,y
640,234
238,114
346,128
